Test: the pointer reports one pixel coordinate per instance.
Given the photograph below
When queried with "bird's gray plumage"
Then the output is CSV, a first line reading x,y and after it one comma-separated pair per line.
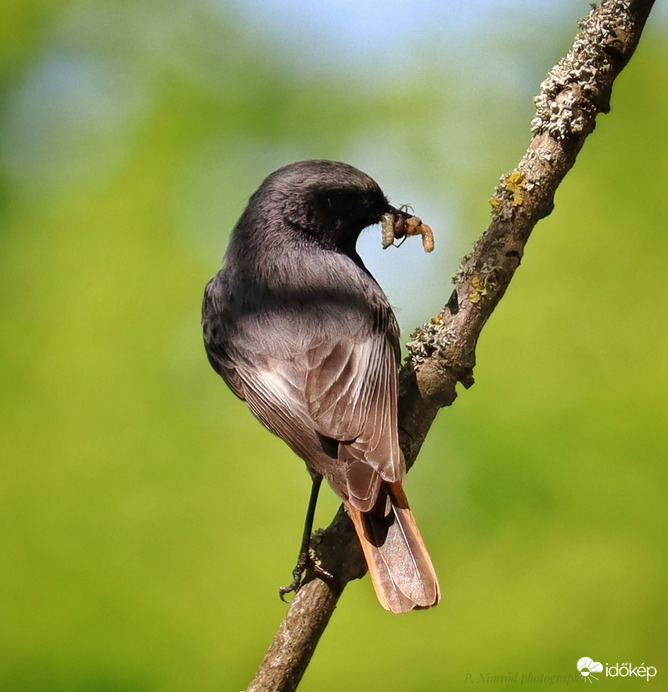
x,y
301,331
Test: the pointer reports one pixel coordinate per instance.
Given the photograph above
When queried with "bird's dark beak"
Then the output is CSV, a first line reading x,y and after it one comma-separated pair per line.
x,y
398,212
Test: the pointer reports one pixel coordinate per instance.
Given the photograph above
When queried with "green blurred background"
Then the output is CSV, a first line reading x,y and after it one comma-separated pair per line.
x,y
146,519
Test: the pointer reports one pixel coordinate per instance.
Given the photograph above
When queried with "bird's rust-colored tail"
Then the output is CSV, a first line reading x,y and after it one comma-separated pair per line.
x,y
399,565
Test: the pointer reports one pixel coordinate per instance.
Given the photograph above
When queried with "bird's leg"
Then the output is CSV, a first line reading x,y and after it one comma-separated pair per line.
x,y
305,562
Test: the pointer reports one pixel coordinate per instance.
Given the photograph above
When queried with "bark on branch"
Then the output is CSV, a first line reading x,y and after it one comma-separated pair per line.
x,y
442,352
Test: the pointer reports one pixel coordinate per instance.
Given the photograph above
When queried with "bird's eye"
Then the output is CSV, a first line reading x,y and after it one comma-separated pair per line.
x,y
341,199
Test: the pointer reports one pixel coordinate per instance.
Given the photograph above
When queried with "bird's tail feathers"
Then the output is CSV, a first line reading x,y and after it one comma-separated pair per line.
x,y
399,565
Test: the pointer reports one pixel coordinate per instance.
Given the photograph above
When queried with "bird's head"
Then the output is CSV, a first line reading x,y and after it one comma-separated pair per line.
x,y
326,201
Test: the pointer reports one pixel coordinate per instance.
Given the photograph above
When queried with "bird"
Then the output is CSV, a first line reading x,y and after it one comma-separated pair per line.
x,y
299,329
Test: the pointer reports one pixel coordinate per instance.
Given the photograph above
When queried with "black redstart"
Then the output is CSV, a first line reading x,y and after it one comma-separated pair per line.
x,y
300,330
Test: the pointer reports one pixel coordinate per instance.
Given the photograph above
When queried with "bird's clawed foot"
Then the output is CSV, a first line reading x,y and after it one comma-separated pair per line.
x,y
306,569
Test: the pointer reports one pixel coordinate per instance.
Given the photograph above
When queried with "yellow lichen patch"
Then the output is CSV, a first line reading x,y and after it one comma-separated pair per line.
x,y
479,290
514,183
494,202
437,320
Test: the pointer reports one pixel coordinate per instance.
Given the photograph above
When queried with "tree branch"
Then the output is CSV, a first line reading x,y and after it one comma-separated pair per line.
x,y
442,352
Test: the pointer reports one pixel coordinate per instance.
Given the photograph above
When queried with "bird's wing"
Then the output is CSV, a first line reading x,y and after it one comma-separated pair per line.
x,y
336,405
327,385
351,392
